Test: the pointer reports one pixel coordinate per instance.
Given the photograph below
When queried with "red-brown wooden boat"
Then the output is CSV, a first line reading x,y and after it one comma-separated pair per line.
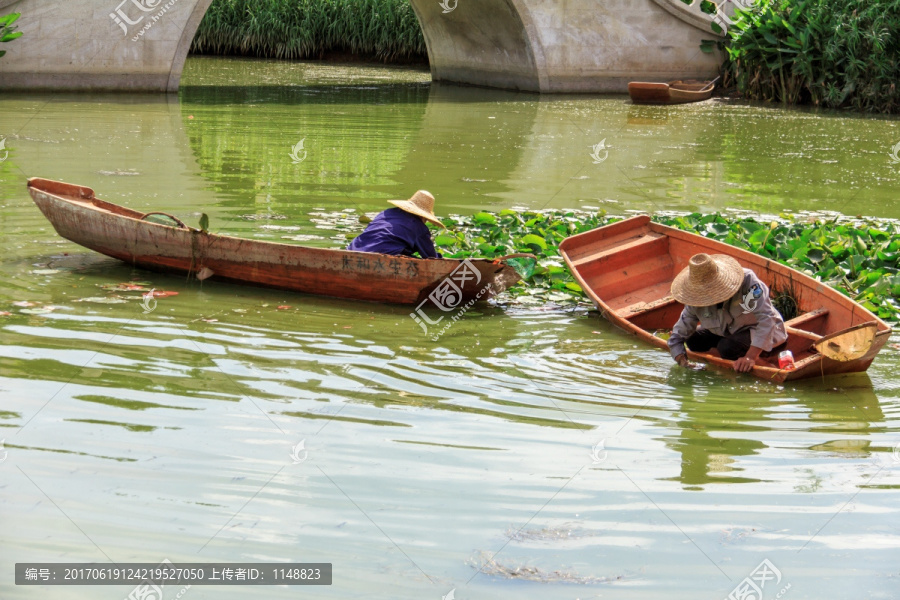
x,y
627,269
78,215
674,92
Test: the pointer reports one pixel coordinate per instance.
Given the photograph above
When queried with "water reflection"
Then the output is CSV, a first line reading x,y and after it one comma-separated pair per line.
x,y
714,430
373,138
354,140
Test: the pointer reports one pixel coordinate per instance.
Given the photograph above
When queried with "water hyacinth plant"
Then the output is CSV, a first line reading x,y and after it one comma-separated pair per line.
x,y
860,258
386,30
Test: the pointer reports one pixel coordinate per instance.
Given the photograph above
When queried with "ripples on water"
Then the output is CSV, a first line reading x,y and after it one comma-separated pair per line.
x,y
589,461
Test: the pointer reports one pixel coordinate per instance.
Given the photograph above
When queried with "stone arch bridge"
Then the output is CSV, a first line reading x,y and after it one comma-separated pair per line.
x,y
532,45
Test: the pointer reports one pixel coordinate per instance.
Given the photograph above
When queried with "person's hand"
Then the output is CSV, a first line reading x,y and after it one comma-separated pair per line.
x,y
682,360
744,364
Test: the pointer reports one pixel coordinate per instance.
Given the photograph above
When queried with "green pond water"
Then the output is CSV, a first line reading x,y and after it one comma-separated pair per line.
x,y
529,437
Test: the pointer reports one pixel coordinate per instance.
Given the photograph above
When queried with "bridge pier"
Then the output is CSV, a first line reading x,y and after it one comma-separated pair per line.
x,y
565,45
100,45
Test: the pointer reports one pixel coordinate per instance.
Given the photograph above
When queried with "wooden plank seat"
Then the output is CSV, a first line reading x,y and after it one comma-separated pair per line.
x,y
643,306
630,244
807,317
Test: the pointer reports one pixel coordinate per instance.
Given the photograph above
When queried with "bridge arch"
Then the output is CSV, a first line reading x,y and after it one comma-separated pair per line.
x,y
532,45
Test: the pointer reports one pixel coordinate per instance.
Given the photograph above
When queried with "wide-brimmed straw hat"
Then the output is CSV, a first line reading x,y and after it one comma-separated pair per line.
x,y
708,280
421,204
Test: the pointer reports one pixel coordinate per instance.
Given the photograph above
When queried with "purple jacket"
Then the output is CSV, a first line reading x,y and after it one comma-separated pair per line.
x,y
396,232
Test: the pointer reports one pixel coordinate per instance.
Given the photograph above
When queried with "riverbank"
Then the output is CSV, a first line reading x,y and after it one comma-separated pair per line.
x,y
381,30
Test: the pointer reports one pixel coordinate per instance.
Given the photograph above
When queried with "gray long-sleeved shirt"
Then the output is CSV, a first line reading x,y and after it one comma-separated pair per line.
x,y
749,308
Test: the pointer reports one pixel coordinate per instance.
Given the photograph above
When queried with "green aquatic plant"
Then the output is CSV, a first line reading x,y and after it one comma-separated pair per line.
x,y
493,235
860,259
386,30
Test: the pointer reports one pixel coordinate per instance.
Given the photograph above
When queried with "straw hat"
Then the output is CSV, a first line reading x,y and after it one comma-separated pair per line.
x,y
421,205
708,280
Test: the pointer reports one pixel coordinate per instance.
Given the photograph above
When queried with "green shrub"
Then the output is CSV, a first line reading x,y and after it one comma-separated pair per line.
x,y
7,30
831,53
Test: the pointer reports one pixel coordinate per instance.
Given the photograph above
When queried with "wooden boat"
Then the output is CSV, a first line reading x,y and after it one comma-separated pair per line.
x,y
674,92
78,215
627,269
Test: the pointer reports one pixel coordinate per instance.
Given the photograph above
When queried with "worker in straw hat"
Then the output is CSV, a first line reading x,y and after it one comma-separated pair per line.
x,y
726,308
401,231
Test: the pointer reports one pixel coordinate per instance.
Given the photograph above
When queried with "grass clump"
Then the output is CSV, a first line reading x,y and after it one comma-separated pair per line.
x,y
786,302
385,30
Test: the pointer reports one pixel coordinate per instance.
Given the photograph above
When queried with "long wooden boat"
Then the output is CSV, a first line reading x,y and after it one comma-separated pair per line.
x,y
627,269
674,92
78,215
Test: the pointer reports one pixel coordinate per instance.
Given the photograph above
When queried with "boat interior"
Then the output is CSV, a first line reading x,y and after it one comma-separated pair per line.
x,y
84,195
690,85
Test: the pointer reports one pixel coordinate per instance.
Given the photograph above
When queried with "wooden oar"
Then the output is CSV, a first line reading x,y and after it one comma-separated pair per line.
x,y
713,82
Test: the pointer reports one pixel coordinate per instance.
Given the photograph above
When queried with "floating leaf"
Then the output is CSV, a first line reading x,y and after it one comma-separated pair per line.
x,y
483,218
758,237
445,240
536,240
40,310
124,287
524,266
816,255
102,300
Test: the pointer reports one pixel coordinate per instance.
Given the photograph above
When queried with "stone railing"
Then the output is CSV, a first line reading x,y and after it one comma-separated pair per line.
x,y
691,13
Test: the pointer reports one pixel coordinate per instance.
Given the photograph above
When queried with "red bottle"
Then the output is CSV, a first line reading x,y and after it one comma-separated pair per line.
x,y
786,360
